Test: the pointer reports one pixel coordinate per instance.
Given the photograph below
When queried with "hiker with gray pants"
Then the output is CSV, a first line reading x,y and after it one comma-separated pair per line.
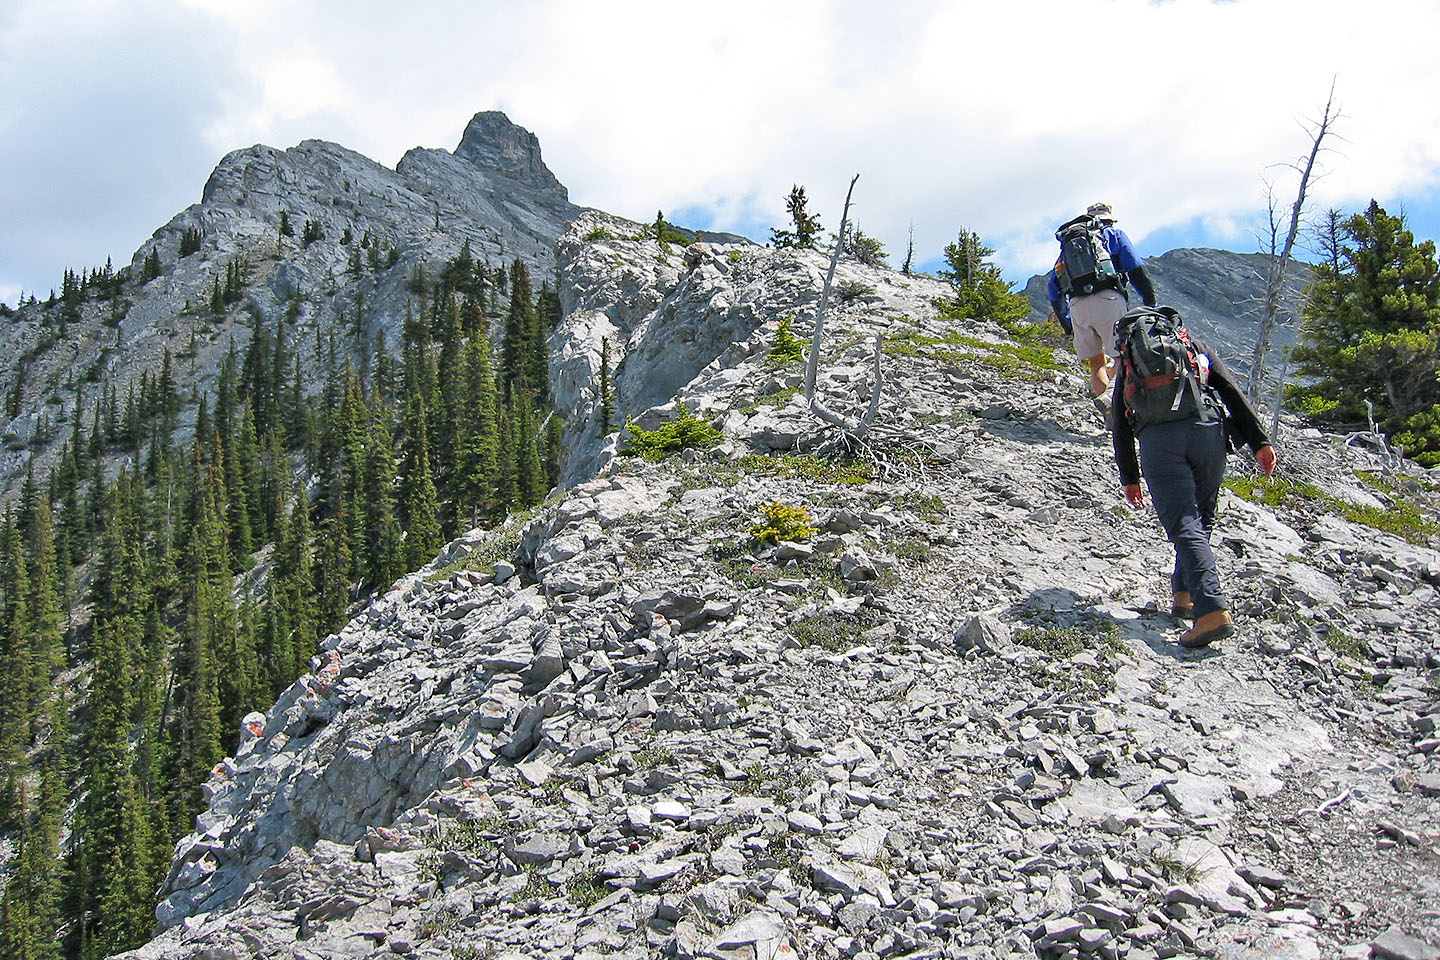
x,y
1175,396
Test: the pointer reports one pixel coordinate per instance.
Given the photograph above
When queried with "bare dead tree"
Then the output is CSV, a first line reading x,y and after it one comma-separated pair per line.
x,y
855,428
1279,264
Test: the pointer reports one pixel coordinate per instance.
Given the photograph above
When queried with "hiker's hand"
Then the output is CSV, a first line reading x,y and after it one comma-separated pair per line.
x,y
1134,495
1265,456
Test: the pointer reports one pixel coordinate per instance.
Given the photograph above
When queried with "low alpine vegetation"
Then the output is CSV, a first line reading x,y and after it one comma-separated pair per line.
x,y
780,521
684,432
1403,518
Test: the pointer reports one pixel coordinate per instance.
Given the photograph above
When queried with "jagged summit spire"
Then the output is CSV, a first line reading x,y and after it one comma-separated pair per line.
x,y
492,142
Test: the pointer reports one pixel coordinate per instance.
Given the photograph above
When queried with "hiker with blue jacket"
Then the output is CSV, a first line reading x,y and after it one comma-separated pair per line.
x,y
1173,394
1088,290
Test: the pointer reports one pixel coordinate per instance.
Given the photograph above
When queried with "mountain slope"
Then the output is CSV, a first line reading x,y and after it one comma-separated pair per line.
x,y
952,722
374,228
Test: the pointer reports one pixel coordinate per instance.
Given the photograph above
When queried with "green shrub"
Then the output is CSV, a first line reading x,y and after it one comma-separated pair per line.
x,y
787,347
598,234
685,431
780,521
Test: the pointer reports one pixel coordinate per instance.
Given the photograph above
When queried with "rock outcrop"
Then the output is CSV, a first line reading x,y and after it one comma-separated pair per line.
x,y
948,721
373,229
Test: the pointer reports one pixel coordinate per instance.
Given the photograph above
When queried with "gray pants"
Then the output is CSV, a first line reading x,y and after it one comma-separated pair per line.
x,y
1184,463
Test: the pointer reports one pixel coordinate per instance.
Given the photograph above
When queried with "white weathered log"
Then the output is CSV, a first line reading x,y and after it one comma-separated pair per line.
x,y
856,427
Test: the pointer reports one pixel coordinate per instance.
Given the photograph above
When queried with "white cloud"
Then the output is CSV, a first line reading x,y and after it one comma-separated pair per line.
x,y
1003,118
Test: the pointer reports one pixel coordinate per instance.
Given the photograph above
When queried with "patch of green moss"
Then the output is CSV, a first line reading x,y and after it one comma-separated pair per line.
x,y
1404,519
836,632
1343,644
777,399
850,471
1062,643
501,545
1026,360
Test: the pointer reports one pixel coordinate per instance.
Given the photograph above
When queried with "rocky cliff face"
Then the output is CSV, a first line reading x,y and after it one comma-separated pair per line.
x,y
1218,293
494,193
948,721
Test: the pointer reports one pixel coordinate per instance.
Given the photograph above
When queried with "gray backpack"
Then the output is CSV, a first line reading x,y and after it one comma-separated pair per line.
x,y
1085,265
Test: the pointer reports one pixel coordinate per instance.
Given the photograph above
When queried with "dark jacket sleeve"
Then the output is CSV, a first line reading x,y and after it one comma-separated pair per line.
x,y
1242,418
1121,435
1141,279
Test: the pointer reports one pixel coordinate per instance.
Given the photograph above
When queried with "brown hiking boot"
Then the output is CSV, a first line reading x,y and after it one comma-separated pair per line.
x,y
1215,625
1181,606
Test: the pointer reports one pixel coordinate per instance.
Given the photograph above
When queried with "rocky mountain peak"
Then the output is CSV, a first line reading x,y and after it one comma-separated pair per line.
x,y
494,143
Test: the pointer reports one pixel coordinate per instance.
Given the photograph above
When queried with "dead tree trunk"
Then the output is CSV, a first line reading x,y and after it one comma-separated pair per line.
x,y
1280,261
857,428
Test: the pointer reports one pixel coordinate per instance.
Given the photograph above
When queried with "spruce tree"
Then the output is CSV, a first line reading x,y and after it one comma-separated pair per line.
x,y
333,561
1372,332
296,573
477,445
383,559
806,226
521,323
981,291
530,484
419,504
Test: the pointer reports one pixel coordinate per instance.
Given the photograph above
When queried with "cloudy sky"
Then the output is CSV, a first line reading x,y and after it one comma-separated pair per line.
x,y
1001,117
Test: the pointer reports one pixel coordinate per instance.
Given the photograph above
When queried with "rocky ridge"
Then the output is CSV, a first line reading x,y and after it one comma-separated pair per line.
x,y
493,192
951,723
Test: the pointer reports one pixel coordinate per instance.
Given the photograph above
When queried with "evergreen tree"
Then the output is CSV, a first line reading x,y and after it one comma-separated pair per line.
x,y
548,314
517,354
419,504
807,226
114,848
30,910
981,292
477,444
43,614
529,473
333,564
209,626
150,266
384,559
864,247
17,669
114,852
554,442
1372,331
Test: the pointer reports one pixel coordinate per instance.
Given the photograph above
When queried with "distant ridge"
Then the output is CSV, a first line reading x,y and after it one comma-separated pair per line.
x,y
1218,292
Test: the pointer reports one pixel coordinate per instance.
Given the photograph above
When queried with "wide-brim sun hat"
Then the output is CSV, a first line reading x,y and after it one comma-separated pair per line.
x,y
1101,211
